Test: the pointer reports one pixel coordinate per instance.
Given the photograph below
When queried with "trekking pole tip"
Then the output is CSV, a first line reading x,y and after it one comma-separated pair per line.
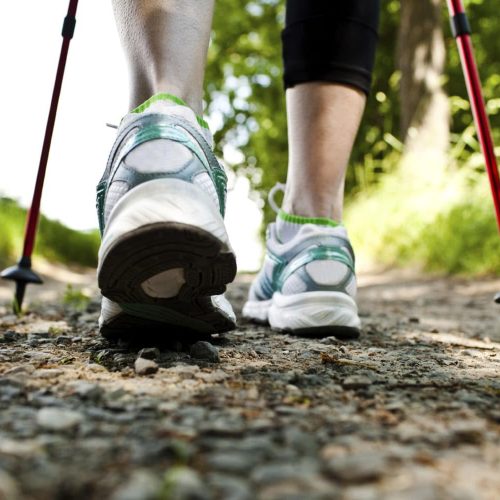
x,y
17,304
22,274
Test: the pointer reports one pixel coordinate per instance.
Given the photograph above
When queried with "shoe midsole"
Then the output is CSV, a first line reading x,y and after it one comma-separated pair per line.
x,y
257,309
305,310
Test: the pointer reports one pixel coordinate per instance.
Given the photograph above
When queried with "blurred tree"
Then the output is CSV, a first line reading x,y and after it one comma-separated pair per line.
x,y
425,121
244,85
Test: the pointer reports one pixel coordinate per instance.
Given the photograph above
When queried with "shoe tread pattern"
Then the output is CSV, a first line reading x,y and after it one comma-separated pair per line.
x,y
154,248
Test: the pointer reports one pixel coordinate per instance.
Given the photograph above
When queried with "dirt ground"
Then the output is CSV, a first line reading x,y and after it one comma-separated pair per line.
x,y
409,411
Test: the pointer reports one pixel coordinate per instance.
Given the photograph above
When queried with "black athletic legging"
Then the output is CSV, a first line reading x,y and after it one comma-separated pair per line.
x,y
330,40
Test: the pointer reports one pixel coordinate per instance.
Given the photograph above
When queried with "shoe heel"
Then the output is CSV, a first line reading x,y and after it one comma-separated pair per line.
x,y
164,241
315,314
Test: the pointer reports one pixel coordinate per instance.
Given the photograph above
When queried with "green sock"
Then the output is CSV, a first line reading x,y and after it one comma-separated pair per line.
x,y
170,98
288,225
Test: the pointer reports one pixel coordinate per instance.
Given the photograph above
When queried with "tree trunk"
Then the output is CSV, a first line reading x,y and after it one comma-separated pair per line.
x,y
425,114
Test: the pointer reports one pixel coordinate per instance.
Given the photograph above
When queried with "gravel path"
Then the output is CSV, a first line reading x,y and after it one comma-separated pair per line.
x,y
410,411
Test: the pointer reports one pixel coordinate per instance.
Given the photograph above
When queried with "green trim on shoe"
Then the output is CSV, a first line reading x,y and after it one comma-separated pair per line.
x,y
167,97
299,219
150,127
319,253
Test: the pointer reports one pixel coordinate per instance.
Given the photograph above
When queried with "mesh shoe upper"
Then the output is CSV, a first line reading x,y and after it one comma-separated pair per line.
x,y
155,145
317,259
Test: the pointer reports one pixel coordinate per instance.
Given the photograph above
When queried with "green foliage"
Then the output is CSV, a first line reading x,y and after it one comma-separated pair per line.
x,y
11,222
55,242
61,244
244,85
444,224
75,299
463,239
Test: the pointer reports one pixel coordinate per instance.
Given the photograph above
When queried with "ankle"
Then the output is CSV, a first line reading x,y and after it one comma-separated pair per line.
x,y
178,103
289,225
143,90
192,97
318,206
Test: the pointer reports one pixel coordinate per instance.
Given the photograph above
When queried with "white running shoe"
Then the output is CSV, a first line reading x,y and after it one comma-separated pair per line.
x,y
307,285
165,257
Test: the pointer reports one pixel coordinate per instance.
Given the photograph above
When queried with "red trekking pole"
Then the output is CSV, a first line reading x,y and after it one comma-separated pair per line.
x,y
22,273
461,31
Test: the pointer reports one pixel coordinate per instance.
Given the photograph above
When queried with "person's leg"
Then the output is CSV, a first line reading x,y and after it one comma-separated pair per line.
x,y
165,257
166,45
328,50
307,284
323,120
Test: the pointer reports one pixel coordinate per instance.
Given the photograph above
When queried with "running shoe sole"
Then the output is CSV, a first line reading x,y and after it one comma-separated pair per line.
x,y
199,267
308,314
165,273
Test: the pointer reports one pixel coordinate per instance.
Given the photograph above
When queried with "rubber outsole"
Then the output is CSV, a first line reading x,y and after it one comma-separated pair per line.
x,y
144,331
339,332
208,265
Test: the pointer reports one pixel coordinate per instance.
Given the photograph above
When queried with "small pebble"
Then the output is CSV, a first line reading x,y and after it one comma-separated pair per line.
x,y
8,487
87,390
10,336
205,351
141,485
47,373
20,369
212,377
356,382
184,371
357,468
271,473
94,367
230,487
183,483
468,432
58,419
232,462
20,448
145,366
64,340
